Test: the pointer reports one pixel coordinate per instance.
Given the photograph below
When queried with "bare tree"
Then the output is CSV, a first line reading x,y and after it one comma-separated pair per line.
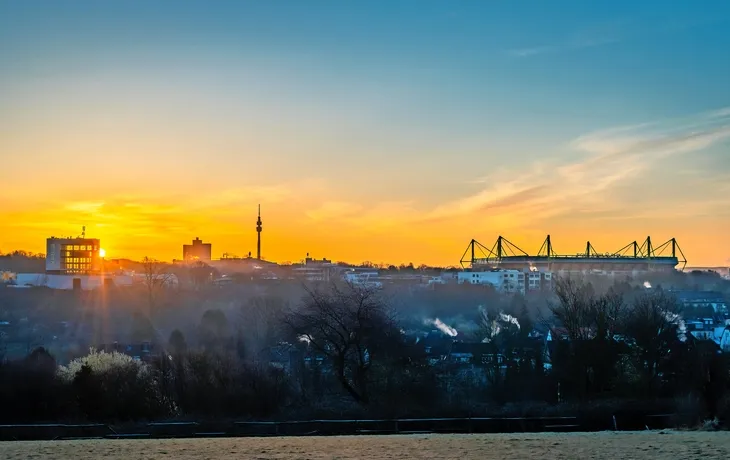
x,y
156,278
214,331
574,309
653,325
349,325
585,314
608,314
588,361
200,274
260,318
177,344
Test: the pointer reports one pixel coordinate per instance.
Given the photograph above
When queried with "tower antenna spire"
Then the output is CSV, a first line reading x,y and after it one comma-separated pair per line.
x,y
258,232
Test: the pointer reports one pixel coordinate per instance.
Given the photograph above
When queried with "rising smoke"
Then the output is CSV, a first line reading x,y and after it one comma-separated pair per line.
x,y
494,325
679,322
509,319
445,328
493,329
490,325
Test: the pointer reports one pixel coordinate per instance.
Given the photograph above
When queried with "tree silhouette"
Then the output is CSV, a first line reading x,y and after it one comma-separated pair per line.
x,y
213,331
176,343
653,325
156,278
350,325
142,329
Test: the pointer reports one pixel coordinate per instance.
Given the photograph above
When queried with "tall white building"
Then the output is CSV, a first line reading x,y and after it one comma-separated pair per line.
x,y
511,281
71,256
363,277
314,270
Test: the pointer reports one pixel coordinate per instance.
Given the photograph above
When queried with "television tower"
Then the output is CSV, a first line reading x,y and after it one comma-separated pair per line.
x,y
258,232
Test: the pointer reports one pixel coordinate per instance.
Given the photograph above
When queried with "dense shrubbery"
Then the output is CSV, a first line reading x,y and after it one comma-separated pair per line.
x,y
612,353
30,390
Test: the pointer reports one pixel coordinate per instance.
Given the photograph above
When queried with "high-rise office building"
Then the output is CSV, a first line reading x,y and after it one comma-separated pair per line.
x,y
66,256
197,251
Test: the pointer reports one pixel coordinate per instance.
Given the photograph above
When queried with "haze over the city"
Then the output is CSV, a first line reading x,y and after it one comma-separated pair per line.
x,y
389,131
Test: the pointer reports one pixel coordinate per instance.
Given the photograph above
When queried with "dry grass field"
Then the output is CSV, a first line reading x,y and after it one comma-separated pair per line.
x,y
607,445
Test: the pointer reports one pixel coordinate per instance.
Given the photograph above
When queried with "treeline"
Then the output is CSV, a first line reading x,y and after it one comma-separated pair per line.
x,y
22,262
636,349
342,353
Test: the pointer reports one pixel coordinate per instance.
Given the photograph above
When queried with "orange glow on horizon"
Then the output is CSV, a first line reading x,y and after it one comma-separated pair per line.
x,y
392,234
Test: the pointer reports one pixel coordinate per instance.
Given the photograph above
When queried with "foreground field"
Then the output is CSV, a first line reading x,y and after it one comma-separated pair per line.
x,y
640,445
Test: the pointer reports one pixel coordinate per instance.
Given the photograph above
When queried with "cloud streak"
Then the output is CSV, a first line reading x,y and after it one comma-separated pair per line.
x,y
606,158
568,46
602,162
606,34
333,210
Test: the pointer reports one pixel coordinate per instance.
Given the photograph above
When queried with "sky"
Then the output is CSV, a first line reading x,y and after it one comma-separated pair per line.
x,y
385,131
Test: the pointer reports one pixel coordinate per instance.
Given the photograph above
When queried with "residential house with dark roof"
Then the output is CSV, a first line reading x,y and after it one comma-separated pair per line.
x,y
699,299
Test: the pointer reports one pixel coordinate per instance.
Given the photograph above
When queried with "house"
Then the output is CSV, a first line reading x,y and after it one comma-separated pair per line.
x,y
223,281
538,332
368,278
293,359
707,327
144,351
478,353
723,339
280,356
699,329
701,299
557,333
436,346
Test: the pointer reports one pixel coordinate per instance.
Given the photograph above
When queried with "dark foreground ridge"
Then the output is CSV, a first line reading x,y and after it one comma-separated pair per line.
x,y
333,427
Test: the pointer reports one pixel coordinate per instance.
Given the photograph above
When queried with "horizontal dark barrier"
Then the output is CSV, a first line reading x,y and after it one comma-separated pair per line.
x,y
335,427
49,431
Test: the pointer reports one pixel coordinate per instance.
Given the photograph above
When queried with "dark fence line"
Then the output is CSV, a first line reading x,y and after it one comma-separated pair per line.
x,y
336,427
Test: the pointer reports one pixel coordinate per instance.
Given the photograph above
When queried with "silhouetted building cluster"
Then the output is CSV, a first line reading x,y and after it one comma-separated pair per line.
x,y
197,250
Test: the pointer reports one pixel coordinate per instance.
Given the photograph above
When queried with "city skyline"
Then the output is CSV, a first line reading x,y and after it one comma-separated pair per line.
x,y
382,131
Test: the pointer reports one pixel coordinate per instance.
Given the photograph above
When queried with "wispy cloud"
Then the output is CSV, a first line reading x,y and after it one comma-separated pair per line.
x,y
596,35
606,158
607,33
655,141
84,206
567,46
387,216
333,210
601,162
253,194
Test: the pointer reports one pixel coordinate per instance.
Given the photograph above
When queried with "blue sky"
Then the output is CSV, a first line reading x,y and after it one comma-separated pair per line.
x,y
489,116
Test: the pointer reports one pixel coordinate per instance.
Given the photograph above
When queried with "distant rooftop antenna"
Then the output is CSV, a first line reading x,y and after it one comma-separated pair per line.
x,y
83,231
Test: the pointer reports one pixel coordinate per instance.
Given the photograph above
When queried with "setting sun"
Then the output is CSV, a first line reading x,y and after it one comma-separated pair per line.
x,y
102,253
